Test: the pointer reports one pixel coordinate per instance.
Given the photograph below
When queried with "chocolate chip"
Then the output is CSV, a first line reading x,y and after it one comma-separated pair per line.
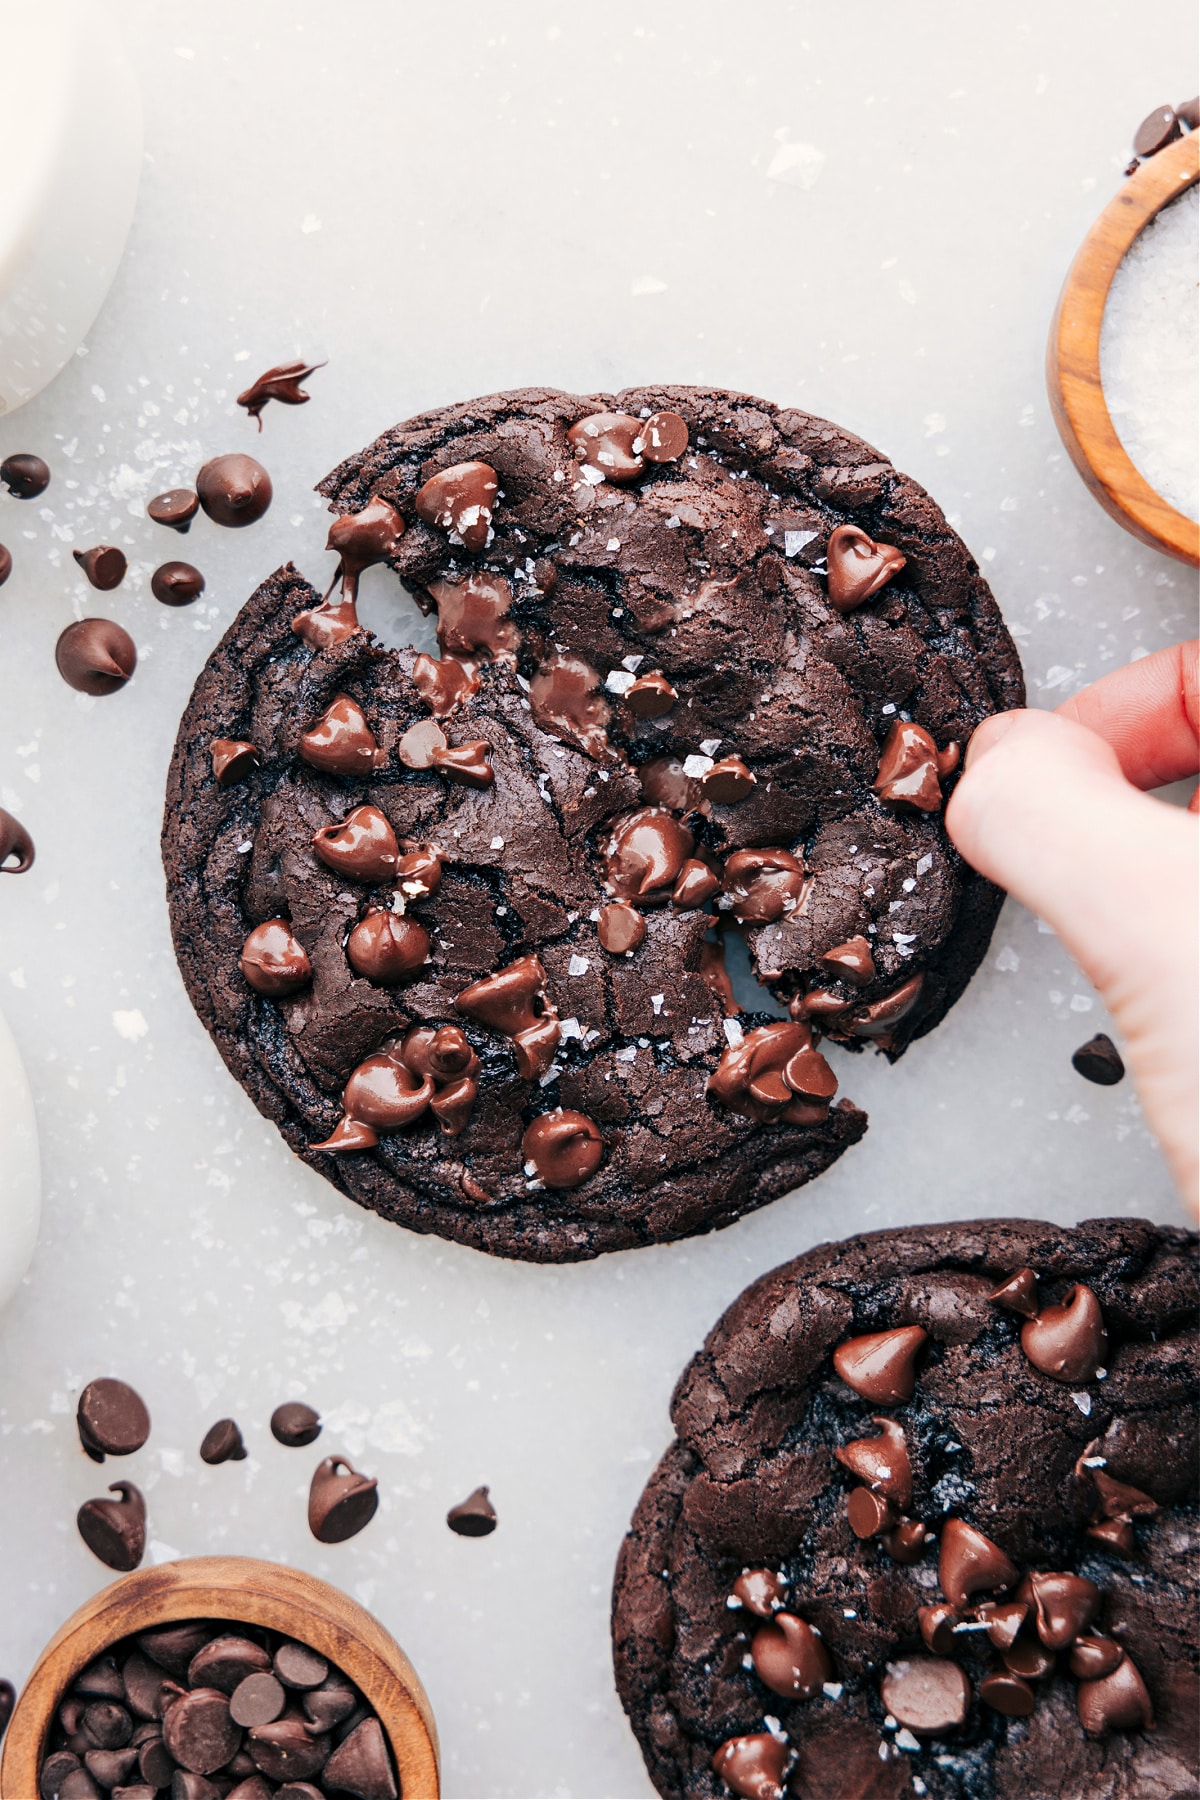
x,y
753,1766
292,1790
882,1462
95,656
926,1693
104,566
651,696
1065,1605
419,744
340,1502
361,1766
1120,1501
645,853
280,383
1099,1060
664,783
101,1680
790,1657
620,928
878,1019
232,760
1004,1620
173,1647
473,1517
199,1732
565,698
906,1542
226,1661
937,1627
1029,1659
774,1074
286,1751
371,535
565,1148
869,1514
696,885
603,443
663,438
1188,114
907,775
24,475
115,1530
187,1786
1093,1657
760,1591
144,1686
363,846
154,1762
176,583
460,499
445,685
851,961
111,1768
508,1002
473,616
858,567
728,782
1067,1342
77,1784
324,626
5,564
881,1366
108,1725
256,1700
387,947
383,1093
1018,1293
1156,131
419,870
329,1704
111,1419
969,1563
1116,1702
765,885
15,842
273,961
176,508
1115,1535
223,1443
295,1424
1007,1693
234,489
341,742
298,1666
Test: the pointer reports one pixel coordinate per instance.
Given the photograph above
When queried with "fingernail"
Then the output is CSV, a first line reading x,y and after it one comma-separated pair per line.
x,y
988,735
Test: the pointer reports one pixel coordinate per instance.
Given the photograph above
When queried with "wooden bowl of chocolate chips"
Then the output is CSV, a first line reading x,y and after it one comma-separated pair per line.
x,y
221,1678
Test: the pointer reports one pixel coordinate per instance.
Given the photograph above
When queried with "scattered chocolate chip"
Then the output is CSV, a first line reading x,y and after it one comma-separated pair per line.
x,y
5,564
460,499
232,760
790,1658
858,567
95,656
176,583
1099,1060
1115,1702
104,566
620,928
1156,131
299,1667
1004,1620
728,782
234,489
280,383
651,696
473,1517
760,1591
223,1443
1188,114
1029,1659
882,1462
295,1424
906,1542
1065,1605
753,1766
387,947
1068,1342
361,1766
24,475
1018,1293
16,842
176,508
340,1501
926,1693
363,846
564,1147
199,1732
273,961
8,1699
224,1662
663,438
881,1366
969,1563
341,742
1093,1657
112,1419
115,1530
256,1700
937,1627
869,1513
1007,1693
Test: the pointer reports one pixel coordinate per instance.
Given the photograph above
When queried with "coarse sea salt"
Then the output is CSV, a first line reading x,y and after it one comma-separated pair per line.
x,y
1150,353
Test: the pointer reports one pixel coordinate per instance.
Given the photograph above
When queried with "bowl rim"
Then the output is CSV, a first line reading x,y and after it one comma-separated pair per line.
x,y
237,1590
1073,355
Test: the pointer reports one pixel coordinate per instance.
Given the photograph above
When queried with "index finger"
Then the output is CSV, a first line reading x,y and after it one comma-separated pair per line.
x,y
1149,712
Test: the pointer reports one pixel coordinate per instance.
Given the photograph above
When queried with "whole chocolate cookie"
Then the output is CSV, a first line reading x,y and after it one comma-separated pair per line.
x,y
928,1526
456,922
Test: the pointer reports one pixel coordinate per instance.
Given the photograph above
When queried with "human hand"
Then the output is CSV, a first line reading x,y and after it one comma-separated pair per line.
x,y
1050,806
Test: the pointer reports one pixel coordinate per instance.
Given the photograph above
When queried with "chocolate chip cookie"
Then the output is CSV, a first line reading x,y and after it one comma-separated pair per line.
x,y
928,1526
456,922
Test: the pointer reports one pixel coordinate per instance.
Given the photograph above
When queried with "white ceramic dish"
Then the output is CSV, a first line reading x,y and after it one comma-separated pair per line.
x,y
73,151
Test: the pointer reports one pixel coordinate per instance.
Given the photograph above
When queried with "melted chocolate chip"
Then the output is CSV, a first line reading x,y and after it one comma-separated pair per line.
x,y
115,1530
444,685
104,566
15,842
223,1443
790,1658
1116,1535
645,854
273,961
473,616
176,583
663,438
1099,1060
466,764
882,1462
970,1563
566,702
232,760
363,846
764,885
295,1424
728,782
387,947
24,475
620,928
564,1147
1003,1619
340,1501
908,769
384,1093
651,696
280,383
95,656
419,871
760,1591
176,508
858,567
774,1074
461,499
664,783
1068,1342
926,1693
234,490
877,1019
418,744
603,443
881,1366
112,1419
753,1766
696,885
324,626
1018,1294
508,1002
371,535
851,961
473,1517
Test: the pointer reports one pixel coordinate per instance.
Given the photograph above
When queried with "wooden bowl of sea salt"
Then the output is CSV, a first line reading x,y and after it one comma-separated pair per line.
x,y
1121,364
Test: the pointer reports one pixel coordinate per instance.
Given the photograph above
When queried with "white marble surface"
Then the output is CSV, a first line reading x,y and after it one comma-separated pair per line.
x,y
446,201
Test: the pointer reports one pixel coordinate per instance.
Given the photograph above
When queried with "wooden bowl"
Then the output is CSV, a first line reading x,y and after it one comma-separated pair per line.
x,y
246,1592
1073,356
